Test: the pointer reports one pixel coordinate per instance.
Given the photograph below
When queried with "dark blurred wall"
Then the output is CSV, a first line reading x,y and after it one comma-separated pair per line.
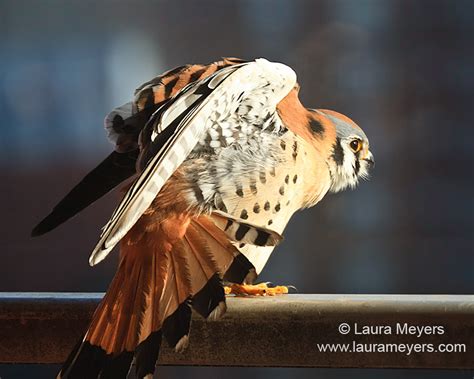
x,y
404,70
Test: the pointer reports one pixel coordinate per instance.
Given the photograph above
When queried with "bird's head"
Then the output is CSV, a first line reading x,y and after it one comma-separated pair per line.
x,y
350,159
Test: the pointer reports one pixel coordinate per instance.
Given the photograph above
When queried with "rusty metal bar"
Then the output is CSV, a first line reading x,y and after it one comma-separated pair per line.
x,y
283,331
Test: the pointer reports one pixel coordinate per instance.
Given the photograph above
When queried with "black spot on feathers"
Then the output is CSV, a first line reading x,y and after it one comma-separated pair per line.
x,y
316,127
170,85
241,231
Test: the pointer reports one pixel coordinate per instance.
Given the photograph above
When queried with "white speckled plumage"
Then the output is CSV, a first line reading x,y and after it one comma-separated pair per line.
x,y
260,179
224,154
229,99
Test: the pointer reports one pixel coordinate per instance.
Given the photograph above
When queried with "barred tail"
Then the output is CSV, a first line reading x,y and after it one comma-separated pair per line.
x,y
163,273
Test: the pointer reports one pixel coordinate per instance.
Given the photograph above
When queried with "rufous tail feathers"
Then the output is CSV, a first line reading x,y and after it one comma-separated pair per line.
x,y
166,269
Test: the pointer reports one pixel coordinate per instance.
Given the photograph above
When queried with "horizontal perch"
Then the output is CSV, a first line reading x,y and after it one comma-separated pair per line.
x,y
281,331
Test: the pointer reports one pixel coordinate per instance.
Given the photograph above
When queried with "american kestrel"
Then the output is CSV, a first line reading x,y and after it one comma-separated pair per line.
x,y
223,155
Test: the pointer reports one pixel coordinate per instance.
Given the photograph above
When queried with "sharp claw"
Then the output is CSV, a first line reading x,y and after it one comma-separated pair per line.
x,y
261,289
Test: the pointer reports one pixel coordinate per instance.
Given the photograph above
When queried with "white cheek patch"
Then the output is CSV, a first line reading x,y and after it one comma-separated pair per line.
x,y
349,162
344,175
364,172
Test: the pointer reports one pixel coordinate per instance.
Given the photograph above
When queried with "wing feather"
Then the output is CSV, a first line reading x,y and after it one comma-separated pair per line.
x,y
188,116
106,176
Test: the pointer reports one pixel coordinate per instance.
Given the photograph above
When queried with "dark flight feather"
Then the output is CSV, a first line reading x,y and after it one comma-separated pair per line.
x,y
117,366
240,271
106,176
121,164
177,325
146,355
85,361
209,297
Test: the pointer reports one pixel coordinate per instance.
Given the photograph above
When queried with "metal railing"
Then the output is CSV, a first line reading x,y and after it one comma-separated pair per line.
x,y
405,331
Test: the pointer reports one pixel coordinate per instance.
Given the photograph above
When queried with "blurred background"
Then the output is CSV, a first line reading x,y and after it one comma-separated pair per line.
x,y
404,70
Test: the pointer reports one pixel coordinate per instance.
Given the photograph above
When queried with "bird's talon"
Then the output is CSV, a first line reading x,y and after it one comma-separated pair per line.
x,y
261,289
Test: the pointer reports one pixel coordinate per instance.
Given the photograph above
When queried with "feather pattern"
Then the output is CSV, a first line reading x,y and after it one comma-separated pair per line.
x,y
162,273
238,230
211,103
123,126
105,177
227,154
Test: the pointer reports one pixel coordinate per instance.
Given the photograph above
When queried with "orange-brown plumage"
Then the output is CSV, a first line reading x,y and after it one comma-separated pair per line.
x,y
190,248
294,115
217,212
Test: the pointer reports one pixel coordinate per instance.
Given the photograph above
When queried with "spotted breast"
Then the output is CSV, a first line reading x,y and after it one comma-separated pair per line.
x,y
223,155
263,178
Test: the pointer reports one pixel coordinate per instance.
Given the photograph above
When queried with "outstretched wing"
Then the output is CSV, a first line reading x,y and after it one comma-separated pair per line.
x,y
124,125
107,175
179,125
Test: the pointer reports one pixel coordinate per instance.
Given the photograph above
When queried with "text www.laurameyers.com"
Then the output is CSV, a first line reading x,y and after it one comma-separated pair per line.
x,y
398,329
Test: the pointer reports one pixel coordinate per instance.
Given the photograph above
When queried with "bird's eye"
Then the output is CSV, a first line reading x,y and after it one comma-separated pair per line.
x,y
356,145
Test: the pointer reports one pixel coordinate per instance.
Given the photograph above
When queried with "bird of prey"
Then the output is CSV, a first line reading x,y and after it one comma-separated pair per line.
x,y
222,156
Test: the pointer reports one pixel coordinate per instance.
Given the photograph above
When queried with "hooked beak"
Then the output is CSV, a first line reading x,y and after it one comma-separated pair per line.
x,y
370,160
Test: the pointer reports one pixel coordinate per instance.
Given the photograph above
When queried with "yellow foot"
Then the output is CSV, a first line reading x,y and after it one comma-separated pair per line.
x,y
260,289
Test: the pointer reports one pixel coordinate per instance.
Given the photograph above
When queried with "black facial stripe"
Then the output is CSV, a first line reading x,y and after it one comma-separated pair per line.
x,y
338,152
357,167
